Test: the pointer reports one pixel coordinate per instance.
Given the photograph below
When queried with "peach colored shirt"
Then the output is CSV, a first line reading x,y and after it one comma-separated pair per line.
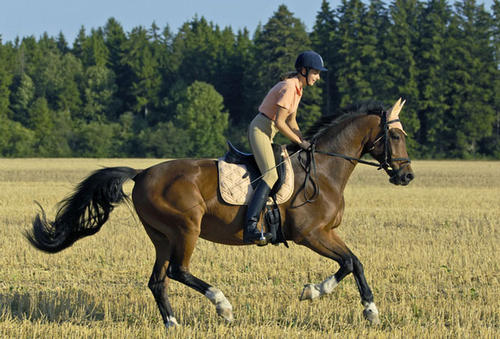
x,y
286,94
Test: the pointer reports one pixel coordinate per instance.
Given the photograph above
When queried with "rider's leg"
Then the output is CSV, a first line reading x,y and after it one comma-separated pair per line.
x,y
260,135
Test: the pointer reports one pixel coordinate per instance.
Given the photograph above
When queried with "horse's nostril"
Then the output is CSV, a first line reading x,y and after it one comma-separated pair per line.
x,y
409,176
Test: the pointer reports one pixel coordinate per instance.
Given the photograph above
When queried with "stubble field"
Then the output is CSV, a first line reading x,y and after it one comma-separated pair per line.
x,y
430,252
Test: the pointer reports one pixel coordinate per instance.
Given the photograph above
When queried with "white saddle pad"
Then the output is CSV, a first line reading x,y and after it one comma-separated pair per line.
x,y
235,187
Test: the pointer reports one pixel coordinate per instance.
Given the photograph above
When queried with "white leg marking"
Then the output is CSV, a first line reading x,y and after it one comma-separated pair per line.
x,y
312,291
328,285
171,322
371,312
222,305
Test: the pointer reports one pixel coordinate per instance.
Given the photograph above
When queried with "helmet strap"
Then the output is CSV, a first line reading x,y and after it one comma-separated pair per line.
x,y
306,75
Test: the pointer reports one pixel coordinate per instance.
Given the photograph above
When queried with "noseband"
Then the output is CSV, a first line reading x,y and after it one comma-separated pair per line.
x,y
310,164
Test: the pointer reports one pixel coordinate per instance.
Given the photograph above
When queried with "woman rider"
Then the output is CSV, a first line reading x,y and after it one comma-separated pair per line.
x,y
277,112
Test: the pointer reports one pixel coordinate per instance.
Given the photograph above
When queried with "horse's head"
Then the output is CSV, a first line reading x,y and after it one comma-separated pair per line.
x,y
388,147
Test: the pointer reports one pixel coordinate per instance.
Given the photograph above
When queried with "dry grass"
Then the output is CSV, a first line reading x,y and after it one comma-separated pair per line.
x,y
430,253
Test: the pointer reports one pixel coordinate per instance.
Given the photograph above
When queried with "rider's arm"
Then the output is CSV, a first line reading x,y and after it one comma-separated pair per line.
x,y
283,124
292,123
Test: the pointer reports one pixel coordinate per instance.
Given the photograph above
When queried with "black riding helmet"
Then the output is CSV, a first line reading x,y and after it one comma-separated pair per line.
x,y
309,60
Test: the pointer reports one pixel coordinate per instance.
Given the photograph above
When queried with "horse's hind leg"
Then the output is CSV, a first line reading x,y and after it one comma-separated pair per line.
x,y
222,305
158,282
179,270
330,245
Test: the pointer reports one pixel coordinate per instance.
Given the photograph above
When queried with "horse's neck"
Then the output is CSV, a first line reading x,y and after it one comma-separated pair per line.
x,y
349,141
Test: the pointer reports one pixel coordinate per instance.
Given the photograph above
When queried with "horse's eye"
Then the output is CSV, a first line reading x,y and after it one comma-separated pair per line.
x,y
395,137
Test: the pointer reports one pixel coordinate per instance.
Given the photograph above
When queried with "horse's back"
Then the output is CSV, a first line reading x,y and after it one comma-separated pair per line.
x,y
189,175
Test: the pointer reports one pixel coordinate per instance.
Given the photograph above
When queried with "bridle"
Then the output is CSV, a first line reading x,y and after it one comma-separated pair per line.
x,y
388,159
309,165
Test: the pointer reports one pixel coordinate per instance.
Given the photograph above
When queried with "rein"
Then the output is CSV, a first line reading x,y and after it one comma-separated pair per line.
x,y
346,157
309,165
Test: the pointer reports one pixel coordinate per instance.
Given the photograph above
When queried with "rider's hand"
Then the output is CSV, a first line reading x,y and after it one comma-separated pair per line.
x,y
305,145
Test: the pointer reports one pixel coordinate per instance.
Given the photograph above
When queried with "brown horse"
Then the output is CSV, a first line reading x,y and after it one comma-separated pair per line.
x,y
178,202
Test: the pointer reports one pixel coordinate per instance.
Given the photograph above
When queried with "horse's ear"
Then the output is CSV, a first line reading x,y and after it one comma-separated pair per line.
x,y
394,115
394,112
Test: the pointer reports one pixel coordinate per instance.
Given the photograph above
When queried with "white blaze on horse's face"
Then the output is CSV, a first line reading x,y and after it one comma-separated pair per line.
x,y
394,114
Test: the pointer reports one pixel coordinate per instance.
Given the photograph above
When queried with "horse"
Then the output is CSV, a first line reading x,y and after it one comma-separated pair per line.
x,y
177,202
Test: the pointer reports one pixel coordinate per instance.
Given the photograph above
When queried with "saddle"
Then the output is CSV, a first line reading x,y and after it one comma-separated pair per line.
x,y
239,175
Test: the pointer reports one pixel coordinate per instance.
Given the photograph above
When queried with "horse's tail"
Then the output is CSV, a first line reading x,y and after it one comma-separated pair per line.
x,y
83,213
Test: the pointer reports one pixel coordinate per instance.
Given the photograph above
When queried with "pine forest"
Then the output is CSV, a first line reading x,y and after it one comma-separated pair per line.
x,y
152,92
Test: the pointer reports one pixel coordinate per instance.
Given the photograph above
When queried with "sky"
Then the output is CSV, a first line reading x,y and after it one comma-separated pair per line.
x,y
21,18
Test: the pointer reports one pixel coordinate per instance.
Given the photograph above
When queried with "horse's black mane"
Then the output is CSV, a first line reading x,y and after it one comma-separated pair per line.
x,y
359,108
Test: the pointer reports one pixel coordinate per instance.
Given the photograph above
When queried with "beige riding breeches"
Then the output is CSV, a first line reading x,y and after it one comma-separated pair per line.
x,y
261,134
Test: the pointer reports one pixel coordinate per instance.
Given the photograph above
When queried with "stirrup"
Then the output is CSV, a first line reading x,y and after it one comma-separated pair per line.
x,y
262,240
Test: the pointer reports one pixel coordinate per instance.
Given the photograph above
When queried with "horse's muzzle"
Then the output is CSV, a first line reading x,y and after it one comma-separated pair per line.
x,y
402,177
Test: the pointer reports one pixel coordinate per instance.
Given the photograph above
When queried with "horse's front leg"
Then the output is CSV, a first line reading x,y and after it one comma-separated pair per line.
x,y
328,244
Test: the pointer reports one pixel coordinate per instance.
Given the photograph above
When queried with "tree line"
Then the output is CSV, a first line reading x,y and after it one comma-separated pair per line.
x,y
152,92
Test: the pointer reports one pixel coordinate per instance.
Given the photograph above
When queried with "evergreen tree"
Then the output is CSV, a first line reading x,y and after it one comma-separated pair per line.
x,y
47,43
114,38
352,82
78,44
240,65
94,51
5,81
492,145
62,44
203,51
325,40
195,50
67,84
496,31
168,68
400,45
375,30
142,64
470,69
229,70
161,45
28,56
430,59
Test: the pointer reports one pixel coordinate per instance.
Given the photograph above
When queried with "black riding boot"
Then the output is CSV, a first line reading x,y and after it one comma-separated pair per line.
x,y
250,233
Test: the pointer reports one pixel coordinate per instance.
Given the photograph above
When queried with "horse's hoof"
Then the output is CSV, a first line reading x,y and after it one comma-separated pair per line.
x,y
171,322
226,313
309,292
371,314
